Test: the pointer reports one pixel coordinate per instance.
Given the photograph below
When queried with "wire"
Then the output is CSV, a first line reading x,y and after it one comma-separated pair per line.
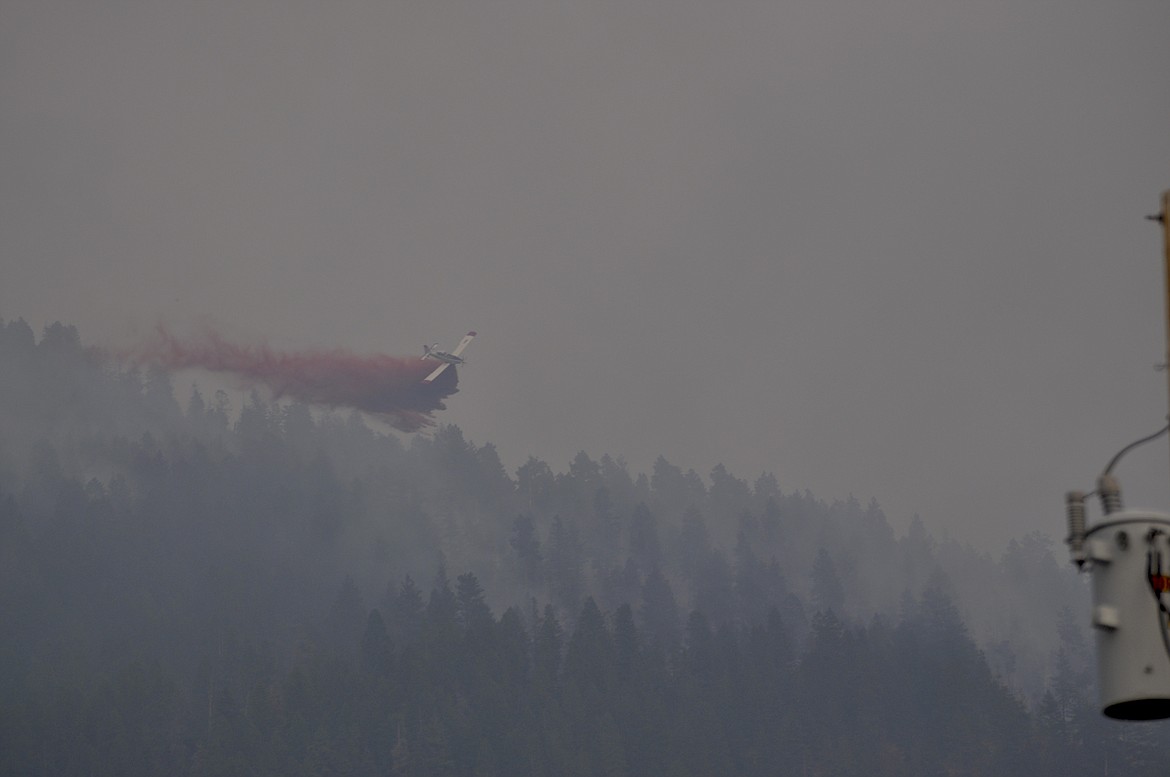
x,y
1132,445
1162,624
1154,572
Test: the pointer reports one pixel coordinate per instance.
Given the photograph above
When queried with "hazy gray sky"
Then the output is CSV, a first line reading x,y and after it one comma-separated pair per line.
x,y
893,249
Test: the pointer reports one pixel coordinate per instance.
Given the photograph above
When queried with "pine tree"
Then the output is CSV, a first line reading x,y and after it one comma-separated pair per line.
x,y
659,613
377,652
589,656
527,546
547,651
827,592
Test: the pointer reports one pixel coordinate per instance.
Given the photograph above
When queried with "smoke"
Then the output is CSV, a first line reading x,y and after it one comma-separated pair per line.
x,y
388,387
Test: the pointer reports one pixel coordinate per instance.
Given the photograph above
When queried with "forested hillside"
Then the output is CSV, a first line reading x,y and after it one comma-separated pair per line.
x,y
187,587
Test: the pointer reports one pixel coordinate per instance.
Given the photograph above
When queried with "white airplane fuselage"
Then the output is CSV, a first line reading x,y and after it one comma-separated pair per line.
x,y
443,356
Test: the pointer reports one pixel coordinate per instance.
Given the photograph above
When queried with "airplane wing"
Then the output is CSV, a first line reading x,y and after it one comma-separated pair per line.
x,y
438,371
467,338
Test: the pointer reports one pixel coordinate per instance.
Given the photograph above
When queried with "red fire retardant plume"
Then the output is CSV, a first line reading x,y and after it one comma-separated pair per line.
x,y
389,387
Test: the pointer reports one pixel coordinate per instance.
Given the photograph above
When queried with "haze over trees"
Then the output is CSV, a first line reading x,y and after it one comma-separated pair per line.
x,y
188,587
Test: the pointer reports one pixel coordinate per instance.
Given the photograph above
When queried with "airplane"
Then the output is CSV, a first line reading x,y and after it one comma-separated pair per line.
x,y
447,358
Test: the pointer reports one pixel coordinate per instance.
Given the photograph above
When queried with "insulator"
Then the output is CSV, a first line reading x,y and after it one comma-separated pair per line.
x,y
1075,506
1110,491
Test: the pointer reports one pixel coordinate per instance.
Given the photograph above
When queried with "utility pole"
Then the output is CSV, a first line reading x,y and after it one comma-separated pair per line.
x,y
1127,554
1164,218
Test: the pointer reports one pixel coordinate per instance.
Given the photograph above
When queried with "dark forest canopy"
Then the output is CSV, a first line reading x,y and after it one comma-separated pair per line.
x,y
191,588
